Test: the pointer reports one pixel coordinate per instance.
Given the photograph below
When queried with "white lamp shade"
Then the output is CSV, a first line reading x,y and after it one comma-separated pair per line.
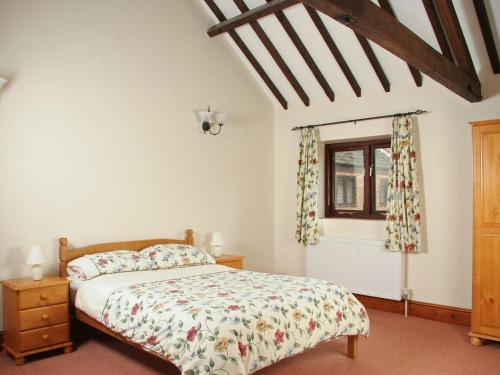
x,y
217,239
3,81
205,116
220,118
35,256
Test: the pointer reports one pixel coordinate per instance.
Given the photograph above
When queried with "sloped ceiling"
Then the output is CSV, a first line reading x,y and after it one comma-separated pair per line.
x,y
409,12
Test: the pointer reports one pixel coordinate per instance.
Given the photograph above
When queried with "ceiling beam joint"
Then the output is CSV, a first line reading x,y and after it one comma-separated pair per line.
x,y
278,59
251,16
374,23
438,29
248,54
455,36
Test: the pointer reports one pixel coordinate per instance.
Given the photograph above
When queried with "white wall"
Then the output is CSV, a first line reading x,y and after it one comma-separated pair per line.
x,y
442,274
98,137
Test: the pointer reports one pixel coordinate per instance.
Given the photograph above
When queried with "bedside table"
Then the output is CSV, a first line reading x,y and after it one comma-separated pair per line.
x,y
35,316
235,261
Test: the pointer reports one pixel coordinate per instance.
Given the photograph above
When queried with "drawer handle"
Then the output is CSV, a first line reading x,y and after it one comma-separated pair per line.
x,y
45,337
45,317
44,296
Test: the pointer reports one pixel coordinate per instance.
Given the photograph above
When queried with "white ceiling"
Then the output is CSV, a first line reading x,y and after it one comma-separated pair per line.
x,y
410,12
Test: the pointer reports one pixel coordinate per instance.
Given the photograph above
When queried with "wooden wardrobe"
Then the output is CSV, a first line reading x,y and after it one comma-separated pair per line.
x,y
485,323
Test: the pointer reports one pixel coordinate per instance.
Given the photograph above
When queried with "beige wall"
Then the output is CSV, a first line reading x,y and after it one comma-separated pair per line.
x,y
98,137
443,273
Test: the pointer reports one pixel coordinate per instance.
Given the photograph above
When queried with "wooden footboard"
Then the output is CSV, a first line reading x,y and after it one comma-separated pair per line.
x,y
352,347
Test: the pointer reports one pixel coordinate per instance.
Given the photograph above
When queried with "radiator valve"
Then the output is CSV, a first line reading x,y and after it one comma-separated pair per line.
x,y
406,294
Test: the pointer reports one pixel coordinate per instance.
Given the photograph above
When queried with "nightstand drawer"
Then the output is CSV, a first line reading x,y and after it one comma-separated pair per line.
x,y
43,317
39,297
238,264
42,337
234,261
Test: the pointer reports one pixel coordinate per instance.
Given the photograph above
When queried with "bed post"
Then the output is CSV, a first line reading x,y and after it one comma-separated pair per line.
x,y
352,347
63,257
189,237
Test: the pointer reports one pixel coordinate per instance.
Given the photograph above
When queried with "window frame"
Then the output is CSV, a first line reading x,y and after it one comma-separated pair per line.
x,y
368,147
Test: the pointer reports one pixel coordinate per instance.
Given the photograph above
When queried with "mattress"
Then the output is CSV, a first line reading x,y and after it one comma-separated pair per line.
x,y
92,295
73,289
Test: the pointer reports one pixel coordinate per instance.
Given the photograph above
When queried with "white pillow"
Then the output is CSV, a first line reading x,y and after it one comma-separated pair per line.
x,y
90,266
174,255
82,268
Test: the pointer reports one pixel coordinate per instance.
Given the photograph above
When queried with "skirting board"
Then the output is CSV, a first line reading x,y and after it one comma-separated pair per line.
x,y
446,314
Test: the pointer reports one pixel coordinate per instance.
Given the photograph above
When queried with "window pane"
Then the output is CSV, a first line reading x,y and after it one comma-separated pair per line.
x,y
382,162
349,180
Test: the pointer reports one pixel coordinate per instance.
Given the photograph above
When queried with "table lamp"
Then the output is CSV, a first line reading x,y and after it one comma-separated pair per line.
x,y
36,259
216,243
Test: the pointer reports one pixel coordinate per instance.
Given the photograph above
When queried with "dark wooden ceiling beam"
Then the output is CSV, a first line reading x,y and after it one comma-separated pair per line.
x,y
275,54
417,77
438,29
370,21
455,36
372,58
248,54
332,46
294,37
485,25
250,16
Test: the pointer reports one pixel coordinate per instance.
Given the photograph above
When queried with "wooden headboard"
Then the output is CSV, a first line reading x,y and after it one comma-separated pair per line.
x,y
66,254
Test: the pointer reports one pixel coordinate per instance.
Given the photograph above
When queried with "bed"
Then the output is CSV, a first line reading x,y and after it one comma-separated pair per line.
x,y
212,319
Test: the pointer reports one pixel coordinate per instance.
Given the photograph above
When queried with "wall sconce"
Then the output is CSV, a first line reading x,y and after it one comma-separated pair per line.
x,y
210,120
3,81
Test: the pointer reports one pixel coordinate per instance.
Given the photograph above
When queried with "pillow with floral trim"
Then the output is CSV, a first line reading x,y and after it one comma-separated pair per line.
x,y
174,255
82,269
90,266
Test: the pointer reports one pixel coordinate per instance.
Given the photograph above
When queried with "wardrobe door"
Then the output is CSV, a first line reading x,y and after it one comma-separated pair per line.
x,y
490,286
486,281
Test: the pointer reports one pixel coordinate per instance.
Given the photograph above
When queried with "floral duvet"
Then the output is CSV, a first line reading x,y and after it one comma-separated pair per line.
x,y
233,322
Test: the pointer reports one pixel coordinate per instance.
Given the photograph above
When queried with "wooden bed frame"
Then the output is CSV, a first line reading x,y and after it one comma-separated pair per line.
x,y
67,254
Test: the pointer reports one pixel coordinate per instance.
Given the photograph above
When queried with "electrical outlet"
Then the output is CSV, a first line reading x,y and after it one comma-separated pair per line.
x,y
406,293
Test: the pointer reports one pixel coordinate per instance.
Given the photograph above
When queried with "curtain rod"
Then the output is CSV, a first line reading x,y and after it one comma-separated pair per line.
x,y
417,112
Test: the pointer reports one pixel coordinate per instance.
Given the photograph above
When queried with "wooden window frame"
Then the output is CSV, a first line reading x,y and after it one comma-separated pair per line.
x,y
368,147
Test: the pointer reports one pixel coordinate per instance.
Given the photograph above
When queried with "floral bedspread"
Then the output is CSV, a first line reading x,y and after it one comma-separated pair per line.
x,y
233,322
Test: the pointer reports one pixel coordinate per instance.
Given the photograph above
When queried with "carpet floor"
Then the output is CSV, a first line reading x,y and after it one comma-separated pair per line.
x,y
397,345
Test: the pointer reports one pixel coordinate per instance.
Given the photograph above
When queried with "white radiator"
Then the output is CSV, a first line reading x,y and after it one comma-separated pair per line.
x,y
362,266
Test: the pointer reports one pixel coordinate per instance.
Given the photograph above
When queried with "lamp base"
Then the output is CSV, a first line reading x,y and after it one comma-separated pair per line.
x,y
37,272
216,251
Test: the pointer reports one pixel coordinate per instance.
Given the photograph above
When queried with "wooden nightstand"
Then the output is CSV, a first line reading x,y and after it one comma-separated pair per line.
x,y
35,316
235,261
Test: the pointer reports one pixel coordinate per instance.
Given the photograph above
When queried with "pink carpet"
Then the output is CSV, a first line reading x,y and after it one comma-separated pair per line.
x,y
397,345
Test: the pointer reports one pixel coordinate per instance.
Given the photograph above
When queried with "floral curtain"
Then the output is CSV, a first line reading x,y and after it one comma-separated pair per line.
x,y
403,208
306,231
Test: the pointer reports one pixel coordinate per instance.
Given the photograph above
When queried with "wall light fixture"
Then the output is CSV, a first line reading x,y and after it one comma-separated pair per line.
x,y
209,120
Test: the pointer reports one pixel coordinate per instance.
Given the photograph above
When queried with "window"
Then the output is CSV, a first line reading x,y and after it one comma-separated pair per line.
x,y
357,179
346,191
